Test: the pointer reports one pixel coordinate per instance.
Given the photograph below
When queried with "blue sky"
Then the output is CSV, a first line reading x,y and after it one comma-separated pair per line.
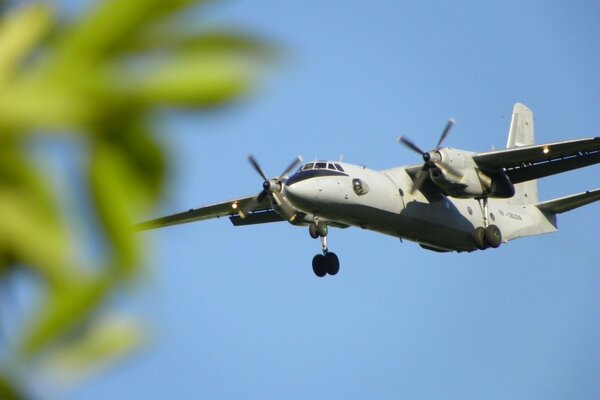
x,y
238,313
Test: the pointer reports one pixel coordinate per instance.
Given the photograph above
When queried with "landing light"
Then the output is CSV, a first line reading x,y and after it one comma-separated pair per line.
x,y
546,150
234,206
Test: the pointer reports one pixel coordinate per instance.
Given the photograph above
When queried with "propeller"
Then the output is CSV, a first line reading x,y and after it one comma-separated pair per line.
x,y
269,185
431,158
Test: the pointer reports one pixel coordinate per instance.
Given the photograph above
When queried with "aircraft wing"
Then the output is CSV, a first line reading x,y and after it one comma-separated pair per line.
x,y
259,211
537,161
569,203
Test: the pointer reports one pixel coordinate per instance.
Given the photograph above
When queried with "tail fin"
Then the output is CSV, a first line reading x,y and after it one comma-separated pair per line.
x,y
521,133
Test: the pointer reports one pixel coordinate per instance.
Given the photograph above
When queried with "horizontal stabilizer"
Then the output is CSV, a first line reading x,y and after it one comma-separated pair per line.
x,y
569,203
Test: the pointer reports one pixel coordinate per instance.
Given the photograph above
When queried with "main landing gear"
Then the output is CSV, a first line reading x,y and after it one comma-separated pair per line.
x,y
488,235
328,262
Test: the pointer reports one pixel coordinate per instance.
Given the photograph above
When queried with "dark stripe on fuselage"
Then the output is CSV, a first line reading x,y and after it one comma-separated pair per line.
x,y
312,173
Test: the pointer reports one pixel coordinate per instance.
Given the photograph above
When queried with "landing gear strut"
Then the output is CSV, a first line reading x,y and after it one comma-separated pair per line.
x,y
488,235
328,262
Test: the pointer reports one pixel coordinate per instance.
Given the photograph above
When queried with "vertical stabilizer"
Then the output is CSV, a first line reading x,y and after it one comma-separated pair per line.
x,y
521,133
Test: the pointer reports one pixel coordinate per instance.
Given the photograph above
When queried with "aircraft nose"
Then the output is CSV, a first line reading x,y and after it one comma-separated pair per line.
x,y
298,192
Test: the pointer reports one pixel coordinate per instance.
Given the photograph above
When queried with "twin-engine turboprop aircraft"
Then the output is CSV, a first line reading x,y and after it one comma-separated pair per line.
x,y
454,201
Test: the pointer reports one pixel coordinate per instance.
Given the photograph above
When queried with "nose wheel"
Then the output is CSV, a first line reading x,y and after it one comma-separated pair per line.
x,y
325,264
328,262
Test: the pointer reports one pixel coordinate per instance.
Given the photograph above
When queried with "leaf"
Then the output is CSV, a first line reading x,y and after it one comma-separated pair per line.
x,y
143,155
27,107
8,391
97,82
118,197
192,80
102,343
32,231
63,309
20,32
103,32
174,38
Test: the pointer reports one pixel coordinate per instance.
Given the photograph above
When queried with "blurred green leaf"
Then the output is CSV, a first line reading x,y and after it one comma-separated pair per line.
x,y
98,82
105,32
118,197
63,309
143,153
192,80
215,41
8,391
27,107
32,228
100,345
20,32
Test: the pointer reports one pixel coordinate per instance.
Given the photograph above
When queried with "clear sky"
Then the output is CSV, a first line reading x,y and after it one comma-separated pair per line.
x,y
237,313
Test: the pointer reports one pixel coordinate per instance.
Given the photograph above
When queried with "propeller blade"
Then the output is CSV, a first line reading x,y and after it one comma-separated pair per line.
x,y
420,179
252,204
257,167
294,164
261,196
405,141
445,133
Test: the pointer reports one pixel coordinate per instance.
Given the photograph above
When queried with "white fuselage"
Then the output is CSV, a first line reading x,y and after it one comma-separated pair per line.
x,y
383,203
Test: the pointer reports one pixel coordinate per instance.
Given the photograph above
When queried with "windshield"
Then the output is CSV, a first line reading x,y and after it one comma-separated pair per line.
x,y
321,165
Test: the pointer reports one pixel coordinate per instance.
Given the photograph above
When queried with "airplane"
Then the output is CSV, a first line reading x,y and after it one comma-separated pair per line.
x,y
455,200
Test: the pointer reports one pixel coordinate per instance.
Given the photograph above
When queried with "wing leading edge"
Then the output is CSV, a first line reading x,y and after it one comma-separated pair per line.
x,y
259,212
537,161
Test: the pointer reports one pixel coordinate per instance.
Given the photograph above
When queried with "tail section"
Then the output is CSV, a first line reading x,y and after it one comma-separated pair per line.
x,y
521,133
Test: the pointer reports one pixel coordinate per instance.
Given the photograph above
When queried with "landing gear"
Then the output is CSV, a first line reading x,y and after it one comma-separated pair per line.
x,y
325,264
328,262
493,237
317,230
485,238
479,238
489,235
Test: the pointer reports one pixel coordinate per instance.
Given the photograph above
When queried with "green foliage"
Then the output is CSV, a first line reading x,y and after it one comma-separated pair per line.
x,y
96,82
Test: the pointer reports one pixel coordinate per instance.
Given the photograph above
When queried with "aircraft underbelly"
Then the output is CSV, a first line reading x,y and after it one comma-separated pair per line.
x,y
447,224
448,231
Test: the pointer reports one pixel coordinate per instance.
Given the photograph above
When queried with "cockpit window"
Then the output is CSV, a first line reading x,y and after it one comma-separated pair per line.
x,y
322,165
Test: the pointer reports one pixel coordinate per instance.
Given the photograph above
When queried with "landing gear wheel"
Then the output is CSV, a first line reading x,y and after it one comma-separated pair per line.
x,y
318,264
313,231
325,264
317,230
322,230
493,237
479,238
332,263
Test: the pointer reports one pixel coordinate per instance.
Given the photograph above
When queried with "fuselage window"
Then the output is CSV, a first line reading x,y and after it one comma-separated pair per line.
x,y
359,187
321,165
339,167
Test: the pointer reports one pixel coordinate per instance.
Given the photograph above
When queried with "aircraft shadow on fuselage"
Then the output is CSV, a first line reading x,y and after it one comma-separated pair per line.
x,y
439,220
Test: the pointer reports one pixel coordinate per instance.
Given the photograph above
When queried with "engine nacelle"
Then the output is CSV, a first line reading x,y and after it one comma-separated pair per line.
x,y
472,182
